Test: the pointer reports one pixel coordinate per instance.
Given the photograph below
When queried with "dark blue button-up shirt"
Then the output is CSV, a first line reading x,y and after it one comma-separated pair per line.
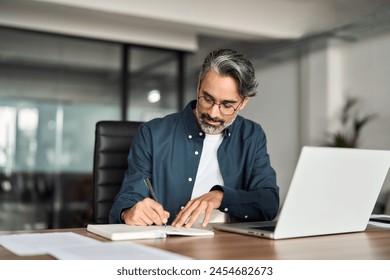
x,y
168,151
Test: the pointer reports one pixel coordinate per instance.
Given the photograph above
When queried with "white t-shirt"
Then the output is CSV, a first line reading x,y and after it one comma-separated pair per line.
x,y
208,173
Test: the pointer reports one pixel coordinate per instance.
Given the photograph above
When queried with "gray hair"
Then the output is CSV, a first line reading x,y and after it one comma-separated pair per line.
x,y
227,62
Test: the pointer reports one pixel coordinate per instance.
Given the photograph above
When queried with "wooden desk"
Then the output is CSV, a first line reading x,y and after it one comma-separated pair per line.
x,y
374,243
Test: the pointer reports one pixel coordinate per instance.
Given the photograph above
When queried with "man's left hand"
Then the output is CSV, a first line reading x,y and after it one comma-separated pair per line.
x,y
205,203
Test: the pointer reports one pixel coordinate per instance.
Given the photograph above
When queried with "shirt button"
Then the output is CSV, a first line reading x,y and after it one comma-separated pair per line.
x,y
190,179
190,136
196,153
246,217
200,133
226,209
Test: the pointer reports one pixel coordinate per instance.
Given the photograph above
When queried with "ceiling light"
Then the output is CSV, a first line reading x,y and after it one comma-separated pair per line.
x,y
154,96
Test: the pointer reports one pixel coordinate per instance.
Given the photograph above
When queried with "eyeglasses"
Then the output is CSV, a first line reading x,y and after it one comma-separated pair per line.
x,y
226,109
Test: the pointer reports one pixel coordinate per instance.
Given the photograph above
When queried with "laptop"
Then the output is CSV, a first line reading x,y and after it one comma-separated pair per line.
x,y
333,190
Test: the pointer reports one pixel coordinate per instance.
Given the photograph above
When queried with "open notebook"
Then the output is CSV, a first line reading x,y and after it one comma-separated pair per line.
x,y
117,232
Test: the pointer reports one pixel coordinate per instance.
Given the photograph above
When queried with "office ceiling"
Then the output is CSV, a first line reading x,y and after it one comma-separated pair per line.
x,y
247,20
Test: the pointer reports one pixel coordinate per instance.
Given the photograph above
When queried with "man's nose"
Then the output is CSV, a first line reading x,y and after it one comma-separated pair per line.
x,y
214,111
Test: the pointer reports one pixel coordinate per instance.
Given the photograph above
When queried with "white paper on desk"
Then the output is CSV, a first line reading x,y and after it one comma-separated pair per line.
x,y
114,251
28,244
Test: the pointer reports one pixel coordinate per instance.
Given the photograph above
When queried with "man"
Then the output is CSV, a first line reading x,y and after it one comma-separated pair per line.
x,y
204,162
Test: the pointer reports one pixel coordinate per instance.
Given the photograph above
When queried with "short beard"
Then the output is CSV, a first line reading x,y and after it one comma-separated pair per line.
x,y
211,129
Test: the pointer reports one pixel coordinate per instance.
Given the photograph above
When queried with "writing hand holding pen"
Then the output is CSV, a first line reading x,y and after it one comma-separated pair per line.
x,y
152,193
146,212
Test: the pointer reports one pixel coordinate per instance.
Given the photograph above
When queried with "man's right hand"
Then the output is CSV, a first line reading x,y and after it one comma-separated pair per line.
x,y
145,213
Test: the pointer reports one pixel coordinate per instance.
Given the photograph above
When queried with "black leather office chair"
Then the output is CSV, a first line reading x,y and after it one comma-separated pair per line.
x,y
112,143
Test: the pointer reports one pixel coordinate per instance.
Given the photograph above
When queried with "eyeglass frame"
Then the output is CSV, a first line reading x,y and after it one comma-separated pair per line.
x,y
219,105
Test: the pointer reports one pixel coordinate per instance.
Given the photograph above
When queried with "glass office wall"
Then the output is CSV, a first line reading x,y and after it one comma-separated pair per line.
x,y
153,83
53,90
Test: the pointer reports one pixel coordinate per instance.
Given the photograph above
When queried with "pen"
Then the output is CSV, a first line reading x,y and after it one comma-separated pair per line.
x,y
151,190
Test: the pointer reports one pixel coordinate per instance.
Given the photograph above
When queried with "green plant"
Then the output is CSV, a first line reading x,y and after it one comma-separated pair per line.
x,y
351,124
